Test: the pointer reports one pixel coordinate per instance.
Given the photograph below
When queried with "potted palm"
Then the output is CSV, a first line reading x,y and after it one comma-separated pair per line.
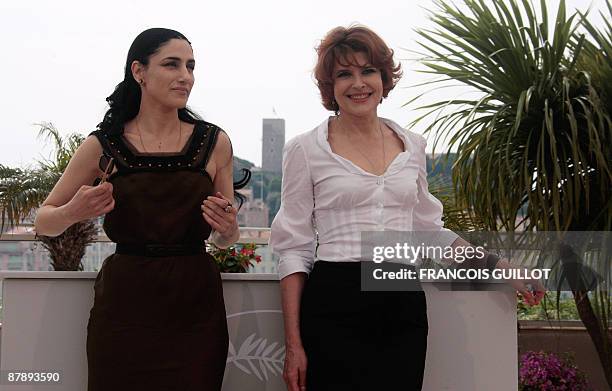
x,y
534,146
22,191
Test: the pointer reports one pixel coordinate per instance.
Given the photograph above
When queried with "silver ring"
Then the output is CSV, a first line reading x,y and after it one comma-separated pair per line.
x,y
228,208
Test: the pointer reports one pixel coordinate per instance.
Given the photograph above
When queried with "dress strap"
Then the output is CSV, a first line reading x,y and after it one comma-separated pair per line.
x,y
103,139
211,140
108,152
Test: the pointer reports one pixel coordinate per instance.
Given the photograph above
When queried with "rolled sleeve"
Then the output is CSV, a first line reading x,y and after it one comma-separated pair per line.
x,y
292,235
427,214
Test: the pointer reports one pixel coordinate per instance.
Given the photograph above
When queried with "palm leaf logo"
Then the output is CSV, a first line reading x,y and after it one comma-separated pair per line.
x,y
256,356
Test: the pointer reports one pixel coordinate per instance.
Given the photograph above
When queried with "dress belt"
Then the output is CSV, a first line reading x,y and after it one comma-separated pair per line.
x,y
159,250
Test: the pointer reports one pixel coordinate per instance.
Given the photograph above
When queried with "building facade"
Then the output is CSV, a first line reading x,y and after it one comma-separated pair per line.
x,y
273,141
254,212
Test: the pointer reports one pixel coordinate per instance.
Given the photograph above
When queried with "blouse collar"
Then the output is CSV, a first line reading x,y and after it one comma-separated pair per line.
x,y
396,164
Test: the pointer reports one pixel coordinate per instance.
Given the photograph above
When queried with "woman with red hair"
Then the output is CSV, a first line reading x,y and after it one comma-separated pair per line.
x,y
356,172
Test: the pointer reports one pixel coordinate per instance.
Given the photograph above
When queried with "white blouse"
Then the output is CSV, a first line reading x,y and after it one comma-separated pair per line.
x,y
327,198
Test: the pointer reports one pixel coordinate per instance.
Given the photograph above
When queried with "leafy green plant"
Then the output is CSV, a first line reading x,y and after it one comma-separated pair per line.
x,y
455,211
22,191
534,145
547,310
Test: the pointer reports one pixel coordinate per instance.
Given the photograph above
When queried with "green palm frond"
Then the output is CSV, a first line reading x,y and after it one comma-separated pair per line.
x,y
537,137
23,190
64,147
540,123
456,215
597,58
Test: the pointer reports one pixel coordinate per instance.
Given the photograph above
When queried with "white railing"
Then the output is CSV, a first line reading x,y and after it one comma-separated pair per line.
x,y
23,251
257,235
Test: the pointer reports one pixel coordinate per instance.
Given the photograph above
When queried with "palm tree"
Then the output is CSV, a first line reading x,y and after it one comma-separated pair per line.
x,y
537,139
22,191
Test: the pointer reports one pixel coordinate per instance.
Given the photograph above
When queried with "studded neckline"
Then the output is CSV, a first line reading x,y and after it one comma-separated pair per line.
x,y
194,155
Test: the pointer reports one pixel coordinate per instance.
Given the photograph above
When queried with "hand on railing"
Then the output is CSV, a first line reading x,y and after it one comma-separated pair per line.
x,y
531,291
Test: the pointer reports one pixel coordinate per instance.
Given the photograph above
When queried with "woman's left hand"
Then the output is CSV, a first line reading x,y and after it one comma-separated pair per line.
x,y
532,291
220,214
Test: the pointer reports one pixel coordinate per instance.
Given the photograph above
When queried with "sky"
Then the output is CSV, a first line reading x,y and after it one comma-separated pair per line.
x,y
61,59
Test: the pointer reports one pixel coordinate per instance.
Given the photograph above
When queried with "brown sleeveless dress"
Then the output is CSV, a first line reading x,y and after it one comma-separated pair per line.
x,y
158,322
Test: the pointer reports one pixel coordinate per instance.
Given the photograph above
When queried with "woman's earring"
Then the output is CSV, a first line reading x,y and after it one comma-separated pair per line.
x,y
141,82
335,106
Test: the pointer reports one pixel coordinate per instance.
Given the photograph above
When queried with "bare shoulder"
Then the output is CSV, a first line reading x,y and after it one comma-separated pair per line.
x,y
222,152
92,145
88,153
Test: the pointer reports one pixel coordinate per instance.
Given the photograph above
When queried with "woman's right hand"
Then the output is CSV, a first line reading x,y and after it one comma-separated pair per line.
x,y
90,202
295,368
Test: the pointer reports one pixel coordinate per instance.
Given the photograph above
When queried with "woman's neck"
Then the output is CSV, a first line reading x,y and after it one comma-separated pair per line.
x,y
157,120
366,126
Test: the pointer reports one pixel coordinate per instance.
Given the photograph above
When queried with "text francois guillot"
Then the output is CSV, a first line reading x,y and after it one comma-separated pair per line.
x,y
408,253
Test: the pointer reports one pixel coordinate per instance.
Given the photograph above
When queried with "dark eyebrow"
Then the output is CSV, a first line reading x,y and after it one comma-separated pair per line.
x,y
346,67
192,61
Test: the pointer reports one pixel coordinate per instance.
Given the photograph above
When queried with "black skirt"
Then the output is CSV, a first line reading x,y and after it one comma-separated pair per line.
x,y
157,324
359,340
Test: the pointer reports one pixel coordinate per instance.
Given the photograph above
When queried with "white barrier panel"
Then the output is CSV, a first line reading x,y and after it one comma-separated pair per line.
x,y
472,343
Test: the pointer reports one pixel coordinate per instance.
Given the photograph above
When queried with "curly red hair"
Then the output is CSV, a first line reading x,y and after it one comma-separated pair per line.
x,y
339,46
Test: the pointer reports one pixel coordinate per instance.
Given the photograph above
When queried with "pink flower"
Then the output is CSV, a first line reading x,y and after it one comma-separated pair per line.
x,y
545,371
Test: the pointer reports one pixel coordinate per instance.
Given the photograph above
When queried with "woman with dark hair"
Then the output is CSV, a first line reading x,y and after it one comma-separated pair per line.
x,y
355,172
164,183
